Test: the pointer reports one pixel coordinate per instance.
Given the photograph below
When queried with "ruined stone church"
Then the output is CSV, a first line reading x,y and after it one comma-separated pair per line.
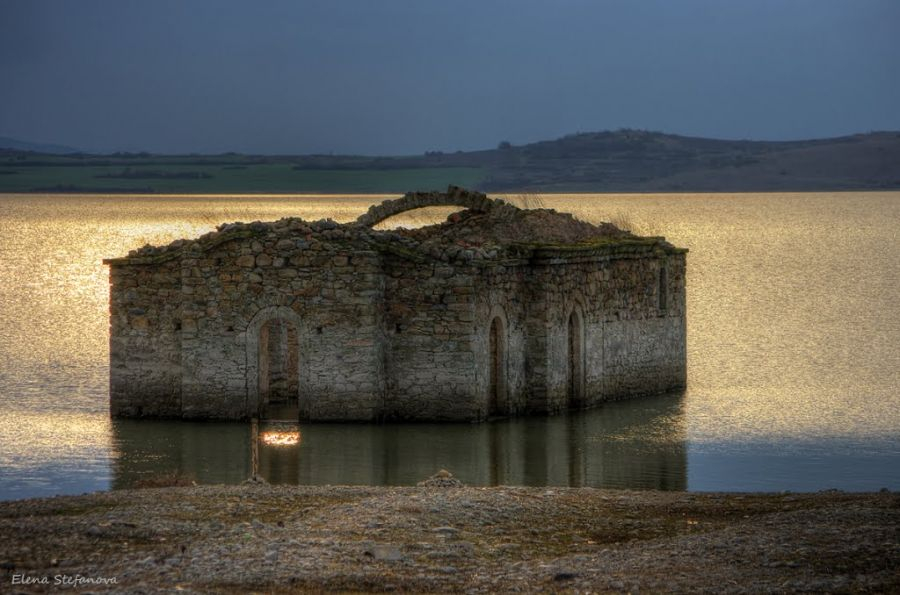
x,y
498,311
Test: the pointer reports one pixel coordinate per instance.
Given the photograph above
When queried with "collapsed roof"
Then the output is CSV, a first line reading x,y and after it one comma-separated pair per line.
x,y
487,229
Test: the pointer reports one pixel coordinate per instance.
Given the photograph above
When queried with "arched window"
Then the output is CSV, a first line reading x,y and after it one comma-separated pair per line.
x,y
575,363
497,355
663,288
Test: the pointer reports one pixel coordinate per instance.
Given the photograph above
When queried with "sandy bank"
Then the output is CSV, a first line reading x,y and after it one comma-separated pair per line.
x,y
283,539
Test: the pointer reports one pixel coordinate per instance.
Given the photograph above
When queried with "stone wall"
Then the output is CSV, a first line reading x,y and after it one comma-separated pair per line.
x,y
386,333
644,346
430,316
628,344
185,337
333,296
504,292
145,340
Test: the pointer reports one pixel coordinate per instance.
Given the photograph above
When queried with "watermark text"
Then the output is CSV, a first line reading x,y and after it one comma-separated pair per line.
x,y
63,580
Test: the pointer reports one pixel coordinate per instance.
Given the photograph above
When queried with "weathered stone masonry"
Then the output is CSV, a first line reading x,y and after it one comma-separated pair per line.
x,y
450,322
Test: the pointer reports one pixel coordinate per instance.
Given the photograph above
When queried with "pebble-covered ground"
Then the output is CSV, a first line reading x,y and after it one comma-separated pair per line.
x,y
261,538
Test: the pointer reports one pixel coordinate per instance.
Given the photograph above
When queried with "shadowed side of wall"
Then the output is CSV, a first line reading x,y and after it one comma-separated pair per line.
x,y
145,340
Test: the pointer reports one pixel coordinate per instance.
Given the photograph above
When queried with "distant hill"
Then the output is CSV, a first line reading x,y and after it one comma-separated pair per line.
x,y
638,161
642,161
612,161
21,145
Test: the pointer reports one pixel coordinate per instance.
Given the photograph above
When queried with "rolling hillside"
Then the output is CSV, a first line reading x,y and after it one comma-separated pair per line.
x,y
619,161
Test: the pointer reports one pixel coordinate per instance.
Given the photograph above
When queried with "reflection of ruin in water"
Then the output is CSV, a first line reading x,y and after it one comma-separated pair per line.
x,y
633,444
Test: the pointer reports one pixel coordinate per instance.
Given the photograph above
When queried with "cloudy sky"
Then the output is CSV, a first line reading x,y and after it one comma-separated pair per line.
x,y
405,76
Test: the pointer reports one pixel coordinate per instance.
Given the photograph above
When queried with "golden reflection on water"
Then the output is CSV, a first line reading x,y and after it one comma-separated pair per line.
x,y
793,316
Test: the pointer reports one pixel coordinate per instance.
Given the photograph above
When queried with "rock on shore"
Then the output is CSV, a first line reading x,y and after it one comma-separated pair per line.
x,y
429,539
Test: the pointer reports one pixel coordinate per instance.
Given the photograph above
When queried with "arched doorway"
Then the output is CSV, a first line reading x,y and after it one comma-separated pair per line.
x,y
575,364
497,359
279,376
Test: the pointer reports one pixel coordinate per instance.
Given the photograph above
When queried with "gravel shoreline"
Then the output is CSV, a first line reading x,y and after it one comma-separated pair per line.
x,y
264,538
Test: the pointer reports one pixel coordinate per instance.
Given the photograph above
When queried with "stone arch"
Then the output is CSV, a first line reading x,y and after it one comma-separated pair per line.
x,y
498,363
575,357
454,197
257,339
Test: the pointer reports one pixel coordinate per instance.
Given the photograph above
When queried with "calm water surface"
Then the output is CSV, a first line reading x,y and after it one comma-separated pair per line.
x,y
793,357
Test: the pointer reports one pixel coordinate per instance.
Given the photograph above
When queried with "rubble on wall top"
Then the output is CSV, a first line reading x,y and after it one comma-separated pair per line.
x,y
488,229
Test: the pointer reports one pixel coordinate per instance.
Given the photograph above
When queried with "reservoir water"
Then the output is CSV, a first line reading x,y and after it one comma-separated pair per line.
x,y
793,357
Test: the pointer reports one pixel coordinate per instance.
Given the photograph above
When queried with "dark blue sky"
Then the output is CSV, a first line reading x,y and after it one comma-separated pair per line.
x,y
405,76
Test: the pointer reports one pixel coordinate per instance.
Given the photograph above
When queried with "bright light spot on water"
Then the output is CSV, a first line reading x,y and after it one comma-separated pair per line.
x,y
280,438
